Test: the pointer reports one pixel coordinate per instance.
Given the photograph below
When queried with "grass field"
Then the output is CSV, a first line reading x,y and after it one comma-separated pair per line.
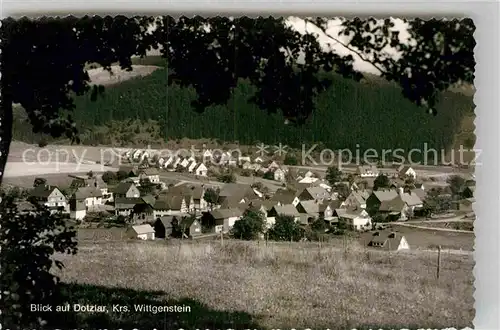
x,y
245,285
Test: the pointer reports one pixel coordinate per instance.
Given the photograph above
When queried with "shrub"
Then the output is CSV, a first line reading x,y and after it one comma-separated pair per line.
x,y
29,242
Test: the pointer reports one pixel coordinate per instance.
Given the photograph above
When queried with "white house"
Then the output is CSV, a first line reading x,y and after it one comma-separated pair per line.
x,y
192,166
367,171
51,197
207,155
168,161
280,174
161,161
144,232
201,170
137,154
407,171
412,200
184,163
177,162
151,174
356,219
92,197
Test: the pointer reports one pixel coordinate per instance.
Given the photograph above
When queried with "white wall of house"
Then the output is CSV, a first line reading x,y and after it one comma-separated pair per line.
x,y
201,170
203,204
232,220
143,236
270,221
56,198
78,215
124,212
403,244
295,201
411,172
279,175
90,201
154,178
160,213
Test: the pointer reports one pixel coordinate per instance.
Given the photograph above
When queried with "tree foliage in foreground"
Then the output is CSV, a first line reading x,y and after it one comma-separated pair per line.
x,y
286,228
29,242
250,226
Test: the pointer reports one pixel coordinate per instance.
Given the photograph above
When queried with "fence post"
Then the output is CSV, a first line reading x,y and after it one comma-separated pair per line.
x,y
439,262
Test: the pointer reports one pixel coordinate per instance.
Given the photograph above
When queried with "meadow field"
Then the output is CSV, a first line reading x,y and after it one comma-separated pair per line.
x,y
244,285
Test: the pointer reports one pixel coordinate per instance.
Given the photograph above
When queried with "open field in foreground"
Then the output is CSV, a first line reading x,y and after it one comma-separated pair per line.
x,y
244,285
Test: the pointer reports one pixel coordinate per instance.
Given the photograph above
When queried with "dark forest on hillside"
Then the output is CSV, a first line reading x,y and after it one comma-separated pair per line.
x,y
371,115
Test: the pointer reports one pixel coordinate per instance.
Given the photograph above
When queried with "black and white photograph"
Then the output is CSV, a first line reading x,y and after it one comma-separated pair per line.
x,y
237,172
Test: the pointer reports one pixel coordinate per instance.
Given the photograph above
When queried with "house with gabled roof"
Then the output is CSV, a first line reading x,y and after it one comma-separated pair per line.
x,y
190,227
143,232
280,174
327,208
50,196
285,196
126,189
314,193
469,192
355,218
91,197
164,225
310,210
221,220
125,206
413,202
287,210
150,173
236,191
388,203
465,205
357,198
406,171
388,241
131,170
367,171
200,170
308,180
177,204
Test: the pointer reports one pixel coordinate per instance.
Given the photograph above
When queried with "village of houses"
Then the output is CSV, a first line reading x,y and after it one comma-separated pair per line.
x,y
305,195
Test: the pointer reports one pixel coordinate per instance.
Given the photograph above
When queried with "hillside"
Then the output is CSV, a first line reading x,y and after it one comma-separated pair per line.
x,y
371,114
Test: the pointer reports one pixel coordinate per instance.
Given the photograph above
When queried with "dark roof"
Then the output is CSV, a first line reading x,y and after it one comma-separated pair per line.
x,y
393,205
42,191
122,187
232,202
226,213
283,196
87,192
187,222
172,202
129,168
125,203
236,189
150,171
334,204
167,220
